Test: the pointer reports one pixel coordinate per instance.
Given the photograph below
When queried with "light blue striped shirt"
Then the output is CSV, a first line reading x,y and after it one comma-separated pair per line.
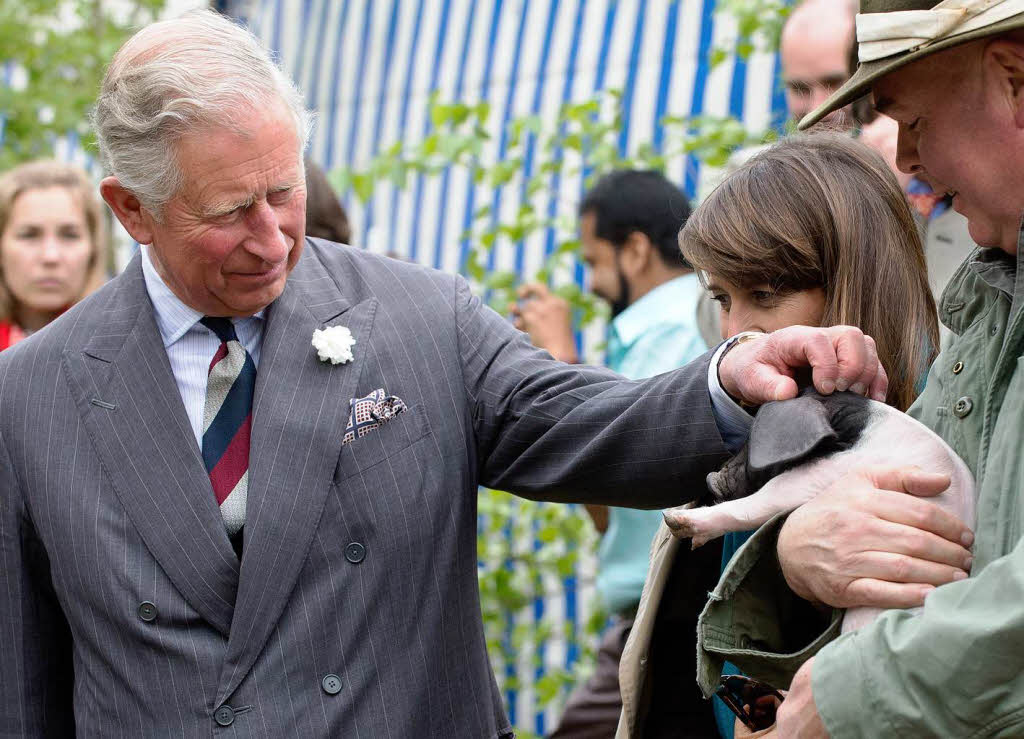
x,y
190,345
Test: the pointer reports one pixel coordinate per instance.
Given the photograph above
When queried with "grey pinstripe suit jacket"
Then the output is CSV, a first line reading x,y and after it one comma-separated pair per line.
x,y
105,504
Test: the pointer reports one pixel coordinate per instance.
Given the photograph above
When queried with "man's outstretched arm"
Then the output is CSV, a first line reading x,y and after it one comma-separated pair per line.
x,y
577,433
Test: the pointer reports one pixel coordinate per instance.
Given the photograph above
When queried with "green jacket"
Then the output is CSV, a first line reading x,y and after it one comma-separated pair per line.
x,y
956,667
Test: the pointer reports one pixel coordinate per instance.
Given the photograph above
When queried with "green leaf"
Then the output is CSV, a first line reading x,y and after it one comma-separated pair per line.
x,y
430,144
362,186
500,280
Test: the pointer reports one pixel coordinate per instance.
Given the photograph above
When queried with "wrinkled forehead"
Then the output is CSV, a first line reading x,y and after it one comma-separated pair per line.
x,y
222,165
938,80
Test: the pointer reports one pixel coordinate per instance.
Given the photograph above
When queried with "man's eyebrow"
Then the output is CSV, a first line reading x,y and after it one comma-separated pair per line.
x,y
215,210
222,209
833,80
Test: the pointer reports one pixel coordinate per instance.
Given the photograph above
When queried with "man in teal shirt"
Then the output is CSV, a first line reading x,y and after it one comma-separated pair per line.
x,y
629,224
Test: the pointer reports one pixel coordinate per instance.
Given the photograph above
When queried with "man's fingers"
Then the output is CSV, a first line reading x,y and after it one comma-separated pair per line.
x,y
905,533
882,594
899,499
864,383
908,479
799,346
764,383
856,366
879,386
901,568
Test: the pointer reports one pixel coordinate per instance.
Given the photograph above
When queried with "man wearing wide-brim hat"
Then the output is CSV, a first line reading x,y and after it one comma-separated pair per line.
x,y
952,75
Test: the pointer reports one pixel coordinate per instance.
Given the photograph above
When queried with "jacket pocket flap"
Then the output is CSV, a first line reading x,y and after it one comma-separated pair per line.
x,y
390,438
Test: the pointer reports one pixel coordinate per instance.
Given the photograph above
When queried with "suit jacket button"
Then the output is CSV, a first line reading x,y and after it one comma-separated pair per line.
x,y
331,684
147,611
224,715
355,552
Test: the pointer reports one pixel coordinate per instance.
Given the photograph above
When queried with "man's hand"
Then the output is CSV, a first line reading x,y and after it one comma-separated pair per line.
x,y
546,318
798,717
866,542
840,357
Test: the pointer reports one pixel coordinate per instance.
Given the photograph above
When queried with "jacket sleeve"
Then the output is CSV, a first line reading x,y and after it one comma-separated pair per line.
x,y
35,643
573,433
951,669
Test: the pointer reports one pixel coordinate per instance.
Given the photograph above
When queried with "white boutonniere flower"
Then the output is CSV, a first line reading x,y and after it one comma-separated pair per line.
x,y
334,344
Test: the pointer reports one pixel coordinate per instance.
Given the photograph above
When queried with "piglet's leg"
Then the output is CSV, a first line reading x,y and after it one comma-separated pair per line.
x,y
782,494
704,524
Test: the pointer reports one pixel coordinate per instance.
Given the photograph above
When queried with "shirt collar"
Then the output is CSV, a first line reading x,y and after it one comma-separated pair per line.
x,y
996,268
657,306
173,317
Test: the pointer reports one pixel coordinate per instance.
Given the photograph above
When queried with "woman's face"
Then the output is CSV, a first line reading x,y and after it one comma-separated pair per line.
x,y
45,250
761,308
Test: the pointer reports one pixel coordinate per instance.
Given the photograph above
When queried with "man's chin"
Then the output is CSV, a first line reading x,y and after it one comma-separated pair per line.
x,y
987,236
251,303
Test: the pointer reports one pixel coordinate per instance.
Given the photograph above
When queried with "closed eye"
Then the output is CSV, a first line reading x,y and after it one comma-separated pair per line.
x,y
280,197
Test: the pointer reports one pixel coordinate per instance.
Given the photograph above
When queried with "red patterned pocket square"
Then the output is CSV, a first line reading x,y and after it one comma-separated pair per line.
x,y
369,413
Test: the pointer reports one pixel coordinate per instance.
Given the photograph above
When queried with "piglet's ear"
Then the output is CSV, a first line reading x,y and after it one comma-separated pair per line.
x,y
786,433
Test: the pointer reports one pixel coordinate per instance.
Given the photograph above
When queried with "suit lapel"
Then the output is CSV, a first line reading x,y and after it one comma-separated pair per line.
x,y
130,404
299,415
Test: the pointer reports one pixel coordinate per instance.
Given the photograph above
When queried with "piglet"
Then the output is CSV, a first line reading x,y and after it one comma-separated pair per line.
x,y
797,448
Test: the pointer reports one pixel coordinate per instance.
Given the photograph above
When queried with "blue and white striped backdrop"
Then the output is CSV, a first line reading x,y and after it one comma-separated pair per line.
x,y
368,67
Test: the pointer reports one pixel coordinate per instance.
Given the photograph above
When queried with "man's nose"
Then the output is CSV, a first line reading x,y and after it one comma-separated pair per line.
x,y
267,242
907,158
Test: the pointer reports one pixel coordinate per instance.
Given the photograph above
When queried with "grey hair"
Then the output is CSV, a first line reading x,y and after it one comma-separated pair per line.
x,y
176,76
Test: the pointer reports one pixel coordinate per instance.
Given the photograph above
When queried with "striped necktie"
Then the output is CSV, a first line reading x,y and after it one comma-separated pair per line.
x,y
227,419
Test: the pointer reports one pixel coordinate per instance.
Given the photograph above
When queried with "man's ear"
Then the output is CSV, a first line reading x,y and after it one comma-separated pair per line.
x,y
136,220
1006,60
636,254
786,433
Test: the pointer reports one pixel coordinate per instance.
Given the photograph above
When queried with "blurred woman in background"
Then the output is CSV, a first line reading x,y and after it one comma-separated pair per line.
x,y
52,245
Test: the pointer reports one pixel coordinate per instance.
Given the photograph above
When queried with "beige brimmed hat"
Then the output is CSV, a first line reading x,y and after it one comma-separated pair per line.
x,y
892,33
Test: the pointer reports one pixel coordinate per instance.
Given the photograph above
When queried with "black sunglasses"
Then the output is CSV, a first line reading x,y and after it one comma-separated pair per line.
x,y
753,701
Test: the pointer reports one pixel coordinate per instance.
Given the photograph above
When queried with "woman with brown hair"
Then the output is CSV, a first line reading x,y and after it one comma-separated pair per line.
x,y
816,231
52,245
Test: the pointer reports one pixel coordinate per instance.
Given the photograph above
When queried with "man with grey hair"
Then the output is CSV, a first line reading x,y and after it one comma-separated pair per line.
x,y
238,483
